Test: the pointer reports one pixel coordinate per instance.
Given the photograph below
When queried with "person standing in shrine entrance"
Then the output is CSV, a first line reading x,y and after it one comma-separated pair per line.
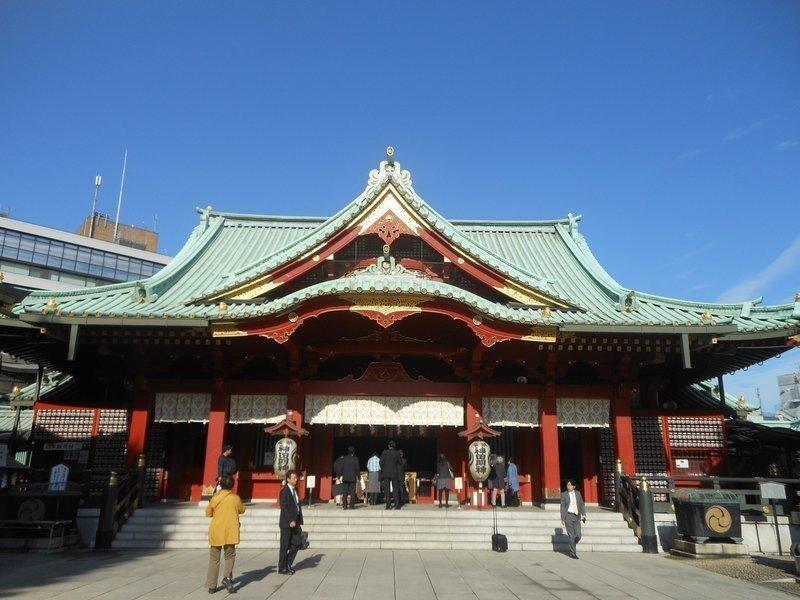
x,y
226,465
373,478
390,475
347,467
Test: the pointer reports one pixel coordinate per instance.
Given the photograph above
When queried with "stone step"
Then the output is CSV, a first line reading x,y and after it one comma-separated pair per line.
x,y
418,514
393,537
360,528
417,528
366,520
539,547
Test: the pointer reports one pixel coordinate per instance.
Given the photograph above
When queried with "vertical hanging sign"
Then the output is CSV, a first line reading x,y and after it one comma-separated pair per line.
x,y
479,460
285,456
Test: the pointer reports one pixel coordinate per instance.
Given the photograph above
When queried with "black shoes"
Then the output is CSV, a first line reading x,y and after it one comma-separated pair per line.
x,y
212,590
286,571
228,583
573,555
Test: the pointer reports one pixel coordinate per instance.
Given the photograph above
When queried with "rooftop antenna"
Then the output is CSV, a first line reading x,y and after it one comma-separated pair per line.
x,y
98,180
155,222
758,395
119,200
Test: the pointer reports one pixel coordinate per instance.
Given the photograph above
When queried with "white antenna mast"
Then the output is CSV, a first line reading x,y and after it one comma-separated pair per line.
x,y
119,200
98,180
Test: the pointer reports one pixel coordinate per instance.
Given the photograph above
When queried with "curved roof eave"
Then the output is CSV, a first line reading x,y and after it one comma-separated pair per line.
x,y
352,210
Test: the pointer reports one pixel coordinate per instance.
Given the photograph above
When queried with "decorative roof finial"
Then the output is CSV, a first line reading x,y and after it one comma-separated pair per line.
x,y
388,170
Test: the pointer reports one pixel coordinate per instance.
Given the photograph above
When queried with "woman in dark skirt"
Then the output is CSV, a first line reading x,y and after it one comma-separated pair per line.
x,y
444,479
499,481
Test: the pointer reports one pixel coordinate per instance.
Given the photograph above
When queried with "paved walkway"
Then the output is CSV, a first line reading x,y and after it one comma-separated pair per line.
x,y
370,575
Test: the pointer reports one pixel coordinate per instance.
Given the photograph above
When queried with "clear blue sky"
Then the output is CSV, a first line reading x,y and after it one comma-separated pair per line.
x,y
673,127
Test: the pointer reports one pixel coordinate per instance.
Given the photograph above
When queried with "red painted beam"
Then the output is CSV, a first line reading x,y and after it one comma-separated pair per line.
x,y
551,467
217,418
141,417
623,427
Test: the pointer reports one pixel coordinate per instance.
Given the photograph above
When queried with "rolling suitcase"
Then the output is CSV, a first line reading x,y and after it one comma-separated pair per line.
x,y
499,541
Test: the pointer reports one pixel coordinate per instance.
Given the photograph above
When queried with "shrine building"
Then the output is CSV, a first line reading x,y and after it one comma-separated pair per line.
x,y
388,321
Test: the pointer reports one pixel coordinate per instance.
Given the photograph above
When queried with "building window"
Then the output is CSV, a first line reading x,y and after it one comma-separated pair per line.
x,y
42,252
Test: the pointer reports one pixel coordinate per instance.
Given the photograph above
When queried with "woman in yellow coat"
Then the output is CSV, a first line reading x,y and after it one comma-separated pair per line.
x,y
224,509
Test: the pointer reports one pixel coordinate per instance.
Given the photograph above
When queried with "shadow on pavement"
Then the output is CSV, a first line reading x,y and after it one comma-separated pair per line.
x,y
252,576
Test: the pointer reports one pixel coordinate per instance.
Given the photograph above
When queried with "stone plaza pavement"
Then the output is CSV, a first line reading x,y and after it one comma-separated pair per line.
x,y
369,575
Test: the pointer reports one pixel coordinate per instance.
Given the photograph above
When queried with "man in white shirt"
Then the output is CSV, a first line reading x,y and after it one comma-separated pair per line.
x,y
290,521
573,511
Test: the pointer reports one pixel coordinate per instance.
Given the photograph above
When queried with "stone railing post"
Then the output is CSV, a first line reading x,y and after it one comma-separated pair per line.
x,y
105,526
647,523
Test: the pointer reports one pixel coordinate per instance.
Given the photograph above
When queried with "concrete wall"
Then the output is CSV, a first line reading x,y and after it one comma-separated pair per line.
x,y
758,534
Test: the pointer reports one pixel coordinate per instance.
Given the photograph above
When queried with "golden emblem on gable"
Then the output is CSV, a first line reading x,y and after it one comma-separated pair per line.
x,y
384,304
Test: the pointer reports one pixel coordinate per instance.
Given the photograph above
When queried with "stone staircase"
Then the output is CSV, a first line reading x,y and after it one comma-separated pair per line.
x,y
414,527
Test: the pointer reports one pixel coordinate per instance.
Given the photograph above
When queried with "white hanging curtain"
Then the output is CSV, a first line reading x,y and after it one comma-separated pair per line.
x,y
384,410
583,412
182,408
511,412
252,408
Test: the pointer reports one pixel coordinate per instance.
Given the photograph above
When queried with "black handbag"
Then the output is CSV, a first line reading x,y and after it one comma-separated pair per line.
x,y
300,539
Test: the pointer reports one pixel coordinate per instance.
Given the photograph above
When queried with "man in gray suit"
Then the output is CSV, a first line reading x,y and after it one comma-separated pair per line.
x,y
573,511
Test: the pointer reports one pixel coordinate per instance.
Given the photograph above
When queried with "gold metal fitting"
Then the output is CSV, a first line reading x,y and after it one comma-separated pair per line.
x,y
223,308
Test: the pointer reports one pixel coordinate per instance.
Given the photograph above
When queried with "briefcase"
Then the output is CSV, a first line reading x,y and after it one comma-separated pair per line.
x,y
300,540
499,541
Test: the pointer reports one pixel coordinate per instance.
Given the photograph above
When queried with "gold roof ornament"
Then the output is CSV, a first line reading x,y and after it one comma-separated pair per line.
x,y
222,308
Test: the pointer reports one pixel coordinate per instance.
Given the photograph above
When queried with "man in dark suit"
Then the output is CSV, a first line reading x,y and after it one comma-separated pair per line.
x,y
226,465
390,475
573,511
290,521
349,472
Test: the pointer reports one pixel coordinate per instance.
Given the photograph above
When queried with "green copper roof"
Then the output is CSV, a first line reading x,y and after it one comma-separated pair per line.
x,y
550,256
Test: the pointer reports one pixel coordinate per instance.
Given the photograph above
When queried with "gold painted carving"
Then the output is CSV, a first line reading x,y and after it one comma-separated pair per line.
x,y
384,304
527,296
254,290
226,331
542,334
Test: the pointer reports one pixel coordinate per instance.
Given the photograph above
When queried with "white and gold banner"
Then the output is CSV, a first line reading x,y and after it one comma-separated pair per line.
x,y
252,408
583,412
384,410
511,412
182,408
